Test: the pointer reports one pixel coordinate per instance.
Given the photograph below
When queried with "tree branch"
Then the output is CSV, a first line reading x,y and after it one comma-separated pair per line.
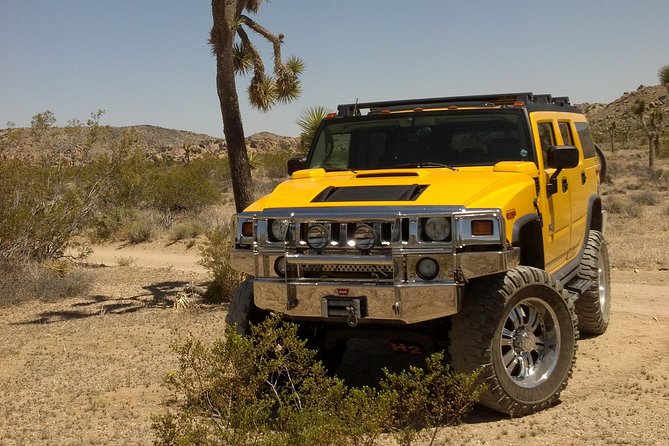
x,y
275,40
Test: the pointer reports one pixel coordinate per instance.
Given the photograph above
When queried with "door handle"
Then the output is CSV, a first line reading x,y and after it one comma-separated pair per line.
x,y
584,177
565,184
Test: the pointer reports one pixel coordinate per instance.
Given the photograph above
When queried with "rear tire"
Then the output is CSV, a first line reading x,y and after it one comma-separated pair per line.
x,y
520,328
593,307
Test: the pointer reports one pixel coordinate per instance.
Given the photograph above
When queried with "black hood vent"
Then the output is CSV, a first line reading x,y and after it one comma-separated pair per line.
x,y
370,193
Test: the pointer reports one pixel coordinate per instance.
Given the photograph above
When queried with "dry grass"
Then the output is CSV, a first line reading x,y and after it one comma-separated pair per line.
x,y
638,224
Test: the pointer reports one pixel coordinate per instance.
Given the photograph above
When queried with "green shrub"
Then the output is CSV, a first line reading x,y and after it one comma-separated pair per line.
x,y
274,164
41,209
429,397
216,258
181,187
186,229
139,230
268,389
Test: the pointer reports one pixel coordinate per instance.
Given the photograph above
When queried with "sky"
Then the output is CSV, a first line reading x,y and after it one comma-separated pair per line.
x,y
148,61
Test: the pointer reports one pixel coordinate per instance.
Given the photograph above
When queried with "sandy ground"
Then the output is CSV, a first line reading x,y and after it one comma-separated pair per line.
x,y
88,370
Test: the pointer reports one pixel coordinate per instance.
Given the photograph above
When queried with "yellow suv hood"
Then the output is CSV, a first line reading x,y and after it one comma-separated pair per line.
x,y
473,187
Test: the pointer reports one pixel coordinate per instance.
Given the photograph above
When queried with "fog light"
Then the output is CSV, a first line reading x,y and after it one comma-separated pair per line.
x,y
427,268
364,237
317,236
280,266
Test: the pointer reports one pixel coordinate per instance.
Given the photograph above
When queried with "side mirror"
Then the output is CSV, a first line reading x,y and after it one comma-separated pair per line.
x,y
296,163
562,157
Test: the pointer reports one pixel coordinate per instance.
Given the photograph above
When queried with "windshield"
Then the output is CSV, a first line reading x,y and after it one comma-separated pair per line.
x,y
427,139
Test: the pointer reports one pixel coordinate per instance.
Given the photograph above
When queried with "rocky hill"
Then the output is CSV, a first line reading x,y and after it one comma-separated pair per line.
x,y
601,116
77,144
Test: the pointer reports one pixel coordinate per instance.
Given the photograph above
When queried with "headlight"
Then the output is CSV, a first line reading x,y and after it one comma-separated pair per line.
x,y
317,236
437,228
278,229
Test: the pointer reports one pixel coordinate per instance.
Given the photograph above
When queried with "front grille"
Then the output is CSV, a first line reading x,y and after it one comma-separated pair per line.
x,y
376,272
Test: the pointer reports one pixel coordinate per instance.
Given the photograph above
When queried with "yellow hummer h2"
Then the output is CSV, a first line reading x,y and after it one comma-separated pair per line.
x,y
467,223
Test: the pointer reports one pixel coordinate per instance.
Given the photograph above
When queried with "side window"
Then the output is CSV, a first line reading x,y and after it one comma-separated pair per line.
x,y
565,131
586,140
546,136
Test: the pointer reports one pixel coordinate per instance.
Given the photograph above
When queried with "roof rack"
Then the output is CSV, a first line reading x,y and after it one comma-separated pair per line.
x,y
508,99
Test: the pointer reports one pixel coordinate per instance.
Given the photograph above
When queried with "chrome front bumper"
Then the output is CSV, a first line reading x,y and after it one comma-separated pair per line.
x,y
404,299
406,303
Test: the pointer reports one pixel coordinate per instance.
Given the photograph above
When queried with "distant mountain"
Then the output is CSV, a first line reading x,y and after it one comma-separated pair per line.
x,y
601,116
72,144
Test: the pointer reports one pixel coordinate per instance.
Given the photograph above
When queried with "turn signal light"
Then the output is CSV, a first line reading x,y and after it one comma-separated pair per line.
x,y
482,227
331,115
247,229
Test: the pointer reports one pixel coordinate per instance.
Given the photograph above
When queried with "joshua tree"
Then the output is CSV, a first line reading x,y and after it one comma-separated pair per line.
x,y
651,122
236,54
309,121
663,74
612,135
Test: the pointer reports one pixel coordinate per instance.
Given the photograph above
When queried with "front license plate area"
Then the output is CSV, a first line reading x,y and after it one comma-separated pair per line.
x,y
345,307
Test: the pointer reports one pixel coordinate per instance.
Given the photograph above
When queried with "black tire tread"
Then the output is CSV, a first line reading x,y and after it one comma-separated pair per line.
x,y
588,308
475,325
242,311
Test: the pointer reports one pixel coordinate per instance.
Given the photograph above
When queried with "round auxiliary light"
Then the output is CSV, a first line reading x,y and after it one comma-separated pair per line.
x,y
278,229
437,228
317,236
364,237
280,266
427,268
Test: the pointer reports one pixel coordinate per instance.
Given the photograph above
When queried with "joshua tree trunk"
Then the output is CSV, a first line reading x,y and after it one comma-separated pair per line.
x,y
224,13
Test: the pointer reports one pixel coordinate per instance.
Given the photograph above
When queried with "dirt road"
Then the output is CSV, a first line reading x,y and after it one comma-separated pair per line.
x,y
89,370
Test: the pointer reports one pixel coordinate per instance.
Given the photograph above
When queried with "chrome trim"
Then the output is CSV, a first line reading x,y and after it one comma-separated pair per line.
x,y
243,260
357,213
301,259
407,303
477,264
462,235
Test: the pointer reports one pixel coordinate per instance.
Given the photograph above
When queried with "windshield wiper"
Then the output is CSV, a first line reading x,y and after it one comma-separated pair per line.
x,y
425,164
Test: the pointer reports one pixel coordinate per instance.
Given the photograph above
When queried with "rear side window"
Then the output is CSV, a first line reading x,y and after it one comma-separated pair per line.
x,y
565,131
586,140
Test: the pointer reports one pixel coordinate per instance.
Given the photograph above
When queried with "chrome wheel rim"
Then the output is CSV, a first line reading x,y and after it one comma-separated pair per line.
x,y
530,342
602,289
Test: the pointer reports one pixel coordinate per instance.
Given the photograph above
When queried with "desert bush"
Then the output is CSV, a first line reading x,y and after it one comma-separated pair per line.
x,y
107,224
274,164
646,197
181,187
268,389
41,209
138,230
616,204
429,397
49,281
216,258
186,229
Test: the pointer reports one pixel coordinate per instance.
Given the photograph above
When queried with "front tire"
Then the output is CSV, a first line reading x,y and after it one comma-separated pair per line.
x,y
593,307
242,312
520,328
